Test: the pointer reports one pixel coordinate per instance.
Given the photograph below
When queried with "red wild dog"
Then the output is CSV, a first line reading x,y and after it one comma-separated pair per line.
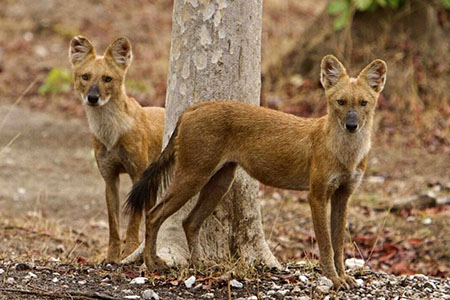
x,y
326,155
126,136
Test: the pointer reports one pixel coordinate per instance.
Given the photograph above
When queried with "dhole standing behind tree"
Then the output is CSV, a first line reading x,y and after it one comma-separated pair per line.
x,y
326,155
126,136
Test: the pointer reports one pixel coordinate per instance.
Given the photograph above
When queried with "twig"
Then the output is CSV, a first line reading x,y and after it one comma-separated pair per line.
x,y
18,100
67,294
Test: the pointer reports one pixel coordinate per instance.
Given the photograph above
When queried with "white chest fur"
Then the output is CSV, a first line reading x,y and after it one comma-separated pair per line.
x,y
350,148
108,123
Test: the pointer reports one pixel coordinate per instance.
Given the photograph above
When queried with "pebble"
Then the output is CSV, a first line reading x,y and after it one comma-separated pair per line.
x,y
323,289
323,281
55,280
10,280
189,282
427,221
2,271
31,275
208,296
283,292
236,284
359,282
354,263
275,286
150,295
82,282
138,280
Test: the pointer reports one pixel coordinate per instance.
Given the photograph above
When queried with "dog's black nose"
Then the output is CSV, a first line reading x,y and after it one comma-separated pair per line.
x,y
92,99
351,127
93,94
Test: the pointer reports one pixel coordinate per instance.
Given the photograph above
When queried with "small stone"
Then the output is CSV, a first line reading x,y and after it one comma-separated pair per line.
x,y
10,280
377,283
82,282
189,282
323,281
53,259
420,277
427,221
208,296
359,282
353,263
2,271
55,280
275,286
375,179
303,278
271,293
253,297
32,275
323,289
236,284
138,280
150,295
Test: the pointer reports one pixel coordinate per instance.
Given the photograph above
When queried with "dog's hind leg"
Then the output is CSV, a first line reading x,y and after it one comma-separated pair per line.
x,y
209,197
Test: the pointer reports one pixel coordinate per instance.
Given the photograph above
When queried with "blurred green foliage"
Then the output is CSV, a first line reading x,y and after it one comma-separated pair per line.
x,y
343,9
58,80
136,86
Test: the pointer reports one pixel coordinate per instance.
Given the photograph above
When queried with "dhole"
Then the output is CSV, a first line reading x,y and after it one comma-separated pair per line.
x,y
326,155
126,136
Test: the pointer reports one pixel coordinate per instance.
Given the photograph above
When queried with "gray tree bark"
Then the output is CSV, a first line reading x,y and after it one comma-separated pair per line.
x,y
216,55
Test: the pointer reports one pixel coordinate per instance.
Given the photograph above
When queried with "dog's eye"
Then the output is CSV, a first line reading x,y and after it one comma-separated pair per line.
x,y
363,103
107,79
341,102
85,76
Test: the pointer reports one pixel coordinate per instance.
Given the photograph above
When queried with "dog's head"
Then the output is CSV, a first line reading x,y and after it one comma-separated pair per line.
x,y
98,79
352,101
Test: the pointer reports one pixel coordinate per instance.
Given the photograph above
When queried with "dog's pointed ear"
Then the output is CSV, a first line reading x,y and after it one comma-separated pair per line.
x,y
80,49
119,52
374,75
331,71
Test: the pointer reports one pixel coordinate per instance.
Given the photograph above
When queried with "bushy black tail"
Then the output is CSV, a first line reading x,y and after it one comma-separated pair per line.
x,y
144,192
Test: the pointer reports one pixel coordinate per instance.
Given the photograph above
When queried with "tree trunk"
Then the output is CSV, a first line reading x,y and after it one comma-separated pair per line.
x,y
215,55
414,40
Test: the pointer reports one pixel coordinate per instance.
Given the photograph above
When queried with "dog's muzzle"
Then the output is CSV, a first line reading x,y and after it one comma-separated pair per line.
x,y
93,95
351,121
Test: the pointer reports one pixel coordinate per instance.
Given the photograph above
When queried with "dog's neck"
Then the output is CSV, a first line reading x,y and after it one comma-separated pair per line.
x,y
110,121
349,148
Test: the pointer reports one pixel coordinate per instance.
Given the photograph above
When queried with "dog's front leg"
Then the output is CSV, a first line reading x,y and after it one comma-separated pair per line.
x,y
318,201
339,202
113,205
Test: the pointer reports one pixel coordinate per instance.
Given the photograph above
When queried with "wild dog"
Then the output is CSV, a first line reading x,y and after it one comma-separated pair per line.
x,y
126,136
326,155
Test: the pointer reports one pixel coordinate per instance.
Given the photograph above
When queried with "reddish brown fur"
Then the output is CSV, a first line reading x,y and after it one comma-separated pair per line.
x,y
279,150
126,136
